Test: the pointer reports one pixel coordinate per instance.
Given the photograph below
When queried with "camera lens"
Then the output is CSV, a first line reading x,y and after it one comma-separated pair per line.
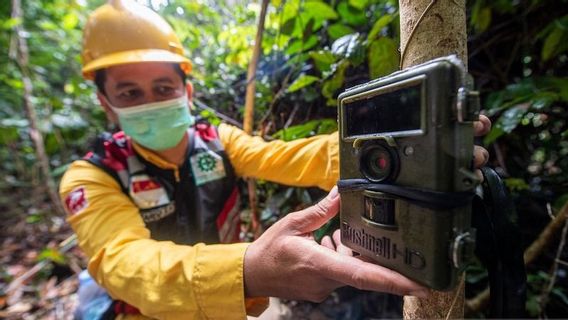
x,y
378,163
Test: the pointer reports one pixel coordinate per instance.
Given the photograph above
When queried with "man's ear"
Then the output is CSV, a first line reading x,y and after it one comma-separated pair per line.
x,y
189,88
111,116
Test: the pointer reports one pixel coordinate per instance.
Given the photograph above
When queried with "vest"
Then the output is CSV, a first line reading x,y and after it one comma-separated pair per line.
x,y
201,204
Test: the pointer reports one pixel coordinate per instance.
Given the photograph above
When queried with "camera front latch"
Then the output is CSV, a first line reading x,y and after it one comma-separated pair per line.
x,y
467,107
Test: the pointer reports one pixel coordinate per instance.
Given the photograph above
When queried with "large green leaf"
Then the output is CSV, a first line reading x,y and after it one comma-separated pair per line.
x,y
383,57
302,81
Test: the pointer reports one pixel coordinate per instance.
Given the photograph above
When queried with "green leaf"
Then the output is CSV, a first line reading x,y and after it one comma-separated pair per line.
x,y
480,16
510,119
287,27
300,46
8,135
345,45
70,21
52,255
307,129
561,295
323,59
552,42
338,30
516,184
351,15
493,135
320,10
378,26
383,57
302,81
11,23
359,4
331,85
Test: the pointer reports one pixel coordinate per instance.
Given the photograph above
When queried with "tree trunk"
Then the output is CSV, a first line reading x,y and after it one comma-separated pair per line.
x,y
22,60
431,29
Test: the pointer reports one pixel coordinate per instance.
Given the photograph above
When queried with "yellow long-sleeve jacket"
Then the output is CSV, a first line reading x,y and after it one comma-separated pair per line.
x,y
170,281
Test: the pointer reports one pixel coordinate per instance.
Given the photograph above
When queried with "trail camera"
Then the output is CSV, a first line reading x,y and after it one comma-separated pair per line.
x,y
406,179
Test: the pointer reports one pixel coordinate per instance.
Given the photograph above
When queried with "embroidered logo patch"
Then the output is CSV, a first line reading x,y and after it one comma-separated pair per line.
x,y
76,201
207,166
147,192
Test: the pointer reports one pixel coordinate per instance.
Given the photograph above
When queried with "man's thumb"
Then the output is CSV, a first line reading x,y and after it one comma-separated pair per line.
x,y
314,217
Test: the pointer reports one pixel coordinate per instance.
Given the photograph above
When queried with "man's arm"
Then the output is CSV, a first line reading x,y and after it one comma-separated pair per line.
x,y
162,279
304,162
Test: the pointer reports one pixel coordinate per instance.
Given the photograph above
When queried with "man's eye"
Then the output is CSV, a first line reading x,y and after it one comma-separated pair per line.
x,y
130,94
165,91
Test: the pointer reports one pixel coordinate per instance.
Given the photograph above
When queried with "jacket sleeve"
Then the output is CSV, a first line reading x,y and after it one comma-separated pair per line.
x,y
304,162
162,279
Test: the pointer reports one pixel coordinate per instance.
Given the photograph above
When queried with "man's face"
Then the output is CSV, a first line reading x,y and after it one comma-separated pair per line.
x,y
140,83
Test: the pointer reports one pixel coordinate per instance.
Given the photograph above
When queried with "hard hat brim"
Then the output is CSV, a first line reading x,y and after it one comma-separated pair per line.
x,y
135,56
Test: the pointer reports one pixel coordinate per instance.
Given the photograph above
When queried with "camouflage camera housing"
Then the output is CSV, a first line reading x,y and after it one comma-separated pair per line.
x,y
406,179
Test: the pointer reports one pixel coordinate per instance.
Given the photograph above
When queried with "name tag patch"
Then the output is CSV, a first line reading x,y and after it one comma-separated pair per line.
x,y
207,166
146,192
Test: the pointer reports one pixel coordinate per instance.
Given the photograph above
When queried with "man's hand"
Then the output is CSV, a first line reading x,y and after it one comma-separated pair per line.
x,y
480,155
287,262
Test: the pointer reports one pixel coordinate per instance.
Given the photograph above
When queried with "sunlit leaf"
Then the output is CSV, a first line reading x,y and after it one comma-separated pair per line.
x,y
378,26
70,21
338,30
383,57
320,10
11,23
359,4
52,255
302,81
345,45
307,129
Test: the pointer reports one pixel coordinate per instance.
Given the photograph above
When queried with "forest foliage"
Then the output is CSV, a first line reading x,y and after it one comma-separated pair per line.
x,y
311,51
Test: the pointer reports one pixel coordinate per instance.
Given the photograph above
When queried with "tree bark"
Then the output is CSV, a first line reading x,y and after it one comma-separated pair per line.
x,y
431,29
22,60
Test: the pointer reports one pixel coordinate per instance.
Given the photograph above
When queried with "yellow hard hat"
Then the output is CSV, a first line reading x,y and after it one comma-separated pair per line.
x,y
123,31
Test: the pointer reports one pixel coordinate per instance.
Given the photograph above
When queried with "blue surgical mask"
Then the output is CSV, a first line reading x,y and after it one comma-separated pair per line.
x,y
157,126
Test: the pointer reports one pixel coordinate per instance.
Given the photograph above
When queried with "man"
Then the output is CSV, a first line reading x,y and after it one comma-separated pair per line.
x,y
149,202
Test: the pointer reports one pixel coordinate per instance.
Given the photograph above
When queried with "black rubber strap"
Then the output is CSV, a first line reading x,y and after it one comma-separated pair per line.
x,y
421,197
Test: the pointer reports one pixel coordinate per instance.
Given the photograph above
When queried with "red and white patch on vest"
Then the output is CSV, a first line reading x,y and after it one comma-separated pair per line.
x,y
76,201
147,192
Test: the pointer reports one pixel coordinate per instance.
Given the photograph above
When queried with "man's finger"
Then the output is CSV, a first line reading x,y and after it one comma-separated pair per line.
x,y
480,156
314,217
366,276
340,247
482,127
326,242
